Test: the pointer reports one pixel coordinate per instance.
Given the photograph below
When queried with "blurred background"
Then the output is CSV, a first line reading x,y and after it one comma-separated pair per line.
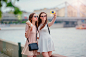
x,y
68,32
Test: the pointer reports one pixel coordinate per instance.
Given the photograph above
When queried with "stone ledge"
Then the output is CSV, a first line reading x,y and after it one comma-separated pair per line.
x,y
57,55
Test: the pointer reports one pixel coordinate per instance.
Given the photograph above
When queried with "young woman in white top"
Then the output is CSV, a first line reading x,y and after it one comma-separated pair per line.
x,y
45,43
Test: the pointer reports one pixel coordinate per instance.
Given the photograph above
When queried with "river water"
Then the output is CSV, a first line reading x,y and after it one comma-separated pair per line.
x,y
68,41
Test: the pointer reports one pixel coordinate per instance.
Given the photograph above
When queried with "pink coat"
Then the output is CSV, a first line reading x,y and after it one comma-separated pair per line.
x,y
32,39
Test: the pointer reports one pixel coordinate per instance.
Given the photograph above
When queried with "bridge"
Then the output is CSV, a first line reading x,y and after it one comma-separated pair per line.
x,y
66,21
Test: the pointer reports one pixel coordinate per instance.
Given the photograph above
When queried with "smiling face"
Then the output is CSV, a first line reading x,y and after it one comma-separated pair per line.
x,y
43,16
35,17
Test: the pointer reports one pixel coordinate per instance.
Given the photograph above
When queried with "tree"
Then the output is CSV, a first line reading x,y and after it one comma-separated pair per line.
x,y
10,3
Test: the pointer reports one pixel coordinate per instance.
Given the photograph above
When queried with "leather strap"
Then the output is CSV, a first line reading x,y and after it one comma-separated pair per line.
x,y
48,29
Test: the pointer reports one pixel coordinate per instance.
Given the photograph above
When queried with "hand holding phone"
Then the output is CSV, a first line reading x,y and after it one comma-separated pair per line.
x,y
52,12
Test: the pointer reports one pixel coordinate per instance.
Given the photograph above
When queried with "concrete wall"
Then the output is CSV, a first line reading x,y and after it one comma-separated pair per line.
x,y
11,48
59,25
17,25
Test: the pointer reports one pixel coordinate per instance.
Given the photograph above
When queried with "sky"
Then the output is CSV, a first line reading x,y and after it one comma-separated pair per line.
x,y
31,5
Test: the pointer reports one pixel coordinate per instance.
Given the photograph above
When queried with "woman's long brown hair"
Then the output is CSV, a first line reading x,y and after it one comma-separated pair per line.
x,y
30,19
40,21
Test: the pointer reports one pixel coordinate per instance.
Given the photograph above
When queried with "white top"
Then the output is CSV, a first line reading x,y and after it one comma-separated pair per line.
x,y
45,42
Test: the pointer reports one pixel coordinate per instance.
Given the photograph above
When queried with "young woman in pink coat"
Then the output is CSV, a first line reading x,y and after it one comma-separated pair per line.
x,y
30,33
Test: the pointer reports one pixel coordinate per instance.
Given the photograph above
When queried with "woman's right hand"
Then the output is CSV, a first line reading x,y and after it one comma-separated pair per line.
x,y
28,23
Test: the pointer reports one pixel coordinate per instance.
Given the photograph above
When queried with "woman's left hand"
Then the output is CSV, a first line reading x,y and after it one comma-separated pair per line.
x,y
53,20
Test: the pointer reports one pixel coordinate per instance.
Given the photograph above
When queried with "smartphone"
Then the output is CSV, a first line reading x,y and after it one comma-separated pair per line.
x,y
52,12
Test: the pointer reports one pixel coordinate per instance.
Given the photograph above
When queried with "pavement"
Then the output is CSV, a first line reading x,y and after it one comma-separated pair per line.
x,y
3,55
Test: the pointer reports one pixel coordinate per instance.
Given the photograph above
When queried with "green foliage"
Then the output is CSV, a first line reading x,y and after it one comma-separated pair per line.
x,y
9,4
0,4
0,15
5,1
23,21
1,51
17,11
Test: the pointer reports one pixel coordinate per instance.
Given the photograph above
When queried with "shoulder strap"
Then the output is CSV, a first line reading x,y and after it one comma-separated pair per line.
x,y
48,29
36,35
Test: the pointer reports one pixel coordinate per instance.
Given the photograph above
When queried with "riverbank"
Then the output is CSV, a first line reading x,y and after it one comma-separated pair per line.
x,y
23,25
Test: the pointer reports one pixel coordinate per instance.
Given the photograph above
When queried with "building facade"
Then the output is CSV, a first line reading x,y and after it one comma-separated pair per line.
x,y
71,11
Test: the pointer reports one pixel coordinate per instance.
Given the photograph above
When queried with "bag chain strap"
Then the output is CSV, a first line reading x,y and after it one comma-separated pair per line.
x,y
36,35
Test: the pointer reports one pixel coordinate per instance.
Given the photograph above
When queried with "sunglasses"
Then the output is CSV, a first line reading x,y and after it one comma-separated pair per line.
x,y
36,16
44,16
